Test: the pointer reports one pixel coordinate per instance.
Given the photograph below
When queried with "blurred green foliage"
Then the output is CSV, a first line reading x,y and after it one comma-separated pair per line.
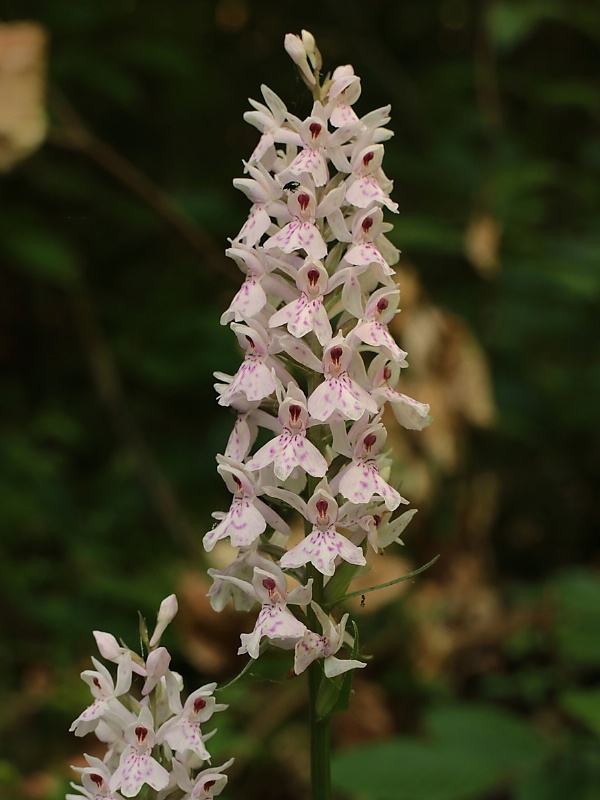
x,y
109,334
471,750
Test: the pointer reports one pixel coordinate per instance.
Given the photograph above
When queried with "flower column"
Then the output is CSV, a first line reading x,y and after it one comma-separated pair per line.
x,y
312,318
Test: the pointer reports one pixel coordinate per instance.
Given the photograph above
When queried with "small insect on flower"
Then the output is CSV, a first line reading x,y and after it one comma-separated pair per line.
x,y
291,186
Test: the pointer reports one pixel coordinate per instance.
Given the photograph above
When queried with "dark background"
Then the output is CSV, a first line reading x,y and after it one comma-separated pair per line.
x,y
113,281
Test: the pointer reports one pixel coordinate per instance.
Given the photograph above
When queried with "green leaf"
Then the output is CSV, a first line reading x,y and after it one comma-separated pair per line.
x,y
570,93
488,732
404,769
41,253
334,693
578,618
572,770
335,591
269,666
510,23
423,234
329,692
473,750
584,706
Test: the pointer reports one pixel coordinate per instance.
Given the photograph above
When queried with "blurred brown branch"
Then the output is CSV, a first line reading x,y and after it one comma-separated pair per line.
x,y
73,134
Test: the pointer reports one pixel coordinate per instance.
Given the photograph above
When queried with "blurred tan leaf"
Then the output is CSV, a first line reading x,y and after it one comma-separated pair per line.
x,y
448,370
459,621
39,786
367,719
482,242
382,569
209,639
22,90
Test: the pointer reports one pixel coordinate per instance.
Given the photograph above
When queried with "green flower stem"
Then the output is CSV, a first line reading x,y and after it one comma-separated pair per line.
x,y
320,761
320,750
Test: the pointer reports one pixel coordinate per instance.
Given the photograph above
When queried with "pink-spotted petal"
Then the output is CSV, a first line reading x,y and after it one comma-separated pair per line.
x,y
308,649
265,455
286,452
361,481
240,440
313,162
255,226
365,254
321,548
366,191
340,398
248,302
377,335
277,624
243,524
182,734
254,380
297,235
303,316
308,457
343,114
135,770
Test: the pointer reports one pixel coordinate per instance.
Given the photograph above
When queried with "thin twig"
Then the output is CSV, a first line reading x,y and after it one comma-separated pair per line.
x,y
73,134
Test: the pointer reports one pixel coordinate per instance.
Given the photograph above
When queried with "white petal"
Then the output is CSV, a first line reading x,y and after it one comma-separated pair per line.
x,y
410,413
393,530
333,666
243,524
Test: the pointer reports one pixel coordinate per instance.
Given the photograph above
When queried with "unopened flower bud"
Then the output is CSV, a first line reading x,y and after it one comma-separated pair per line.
x,y
166,612
312,51
108,646
157,665
296,50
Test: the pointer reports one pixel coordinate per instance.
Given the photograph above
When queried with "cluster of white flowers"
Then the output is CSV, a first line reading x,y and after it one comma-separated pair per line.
x,y
320,364
152,739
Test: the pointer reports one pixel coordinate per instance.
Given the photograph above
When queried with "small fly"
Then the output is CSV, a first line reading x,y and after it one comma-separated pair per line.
x,y
291,186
